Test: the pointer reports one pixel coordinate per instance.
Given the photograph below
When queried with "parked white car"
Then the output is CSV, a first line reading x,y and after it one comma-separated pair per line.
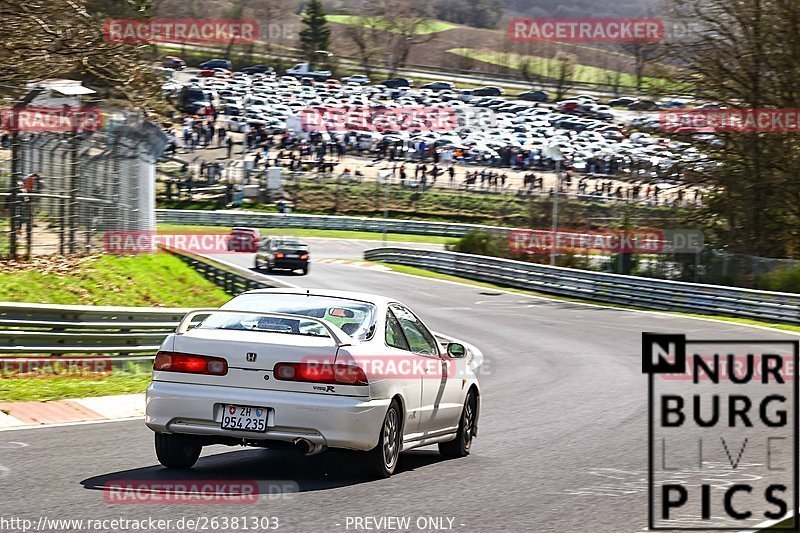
x,y
317,369
360,79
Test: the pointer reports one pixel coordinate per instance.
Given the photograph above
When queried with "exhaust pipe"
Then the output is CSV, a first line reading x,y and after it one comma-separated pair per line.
x,y
306,447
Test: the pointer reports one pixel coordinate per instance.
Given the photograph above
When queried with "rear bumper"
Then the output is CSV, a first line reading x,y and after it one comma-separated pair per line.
x,y
291,263
333,421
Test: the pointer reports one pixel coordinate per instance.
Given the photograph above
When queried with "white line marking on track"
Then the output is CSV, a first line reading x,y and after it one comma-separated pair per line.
x,y
66,424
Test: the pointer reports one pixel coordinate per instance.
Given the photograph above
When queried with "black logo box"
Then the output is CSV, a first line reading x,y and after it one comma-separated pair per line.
x,y
679,366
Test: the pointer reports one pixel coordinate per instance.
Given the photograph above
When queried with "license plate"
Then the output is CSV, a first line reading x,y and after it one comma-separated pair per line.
x,y
244,418
292,256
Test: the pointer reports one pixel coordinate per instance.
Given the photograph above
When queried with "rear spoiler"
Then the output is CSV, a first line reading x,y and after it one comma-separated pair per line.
x,y
340,338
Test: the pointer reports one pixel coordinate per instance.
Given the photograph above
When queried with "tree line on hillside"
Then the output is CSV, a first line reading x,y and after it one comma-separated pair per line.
x,y
475,13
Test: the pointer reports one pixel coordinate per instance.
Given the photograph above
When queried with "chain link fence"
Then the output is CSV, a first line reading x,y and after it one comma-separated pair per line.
x,y
60,191
713,267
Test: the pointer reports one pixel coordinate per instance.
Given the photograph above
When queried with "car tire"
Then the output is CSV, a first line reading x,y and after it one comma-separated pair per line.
x,y
305,270
383,458
461,445
177,451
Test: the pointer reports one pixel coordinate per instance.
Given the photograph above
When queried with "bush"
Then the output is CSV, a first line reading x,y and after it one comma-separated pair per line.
x,y
781,280
483,243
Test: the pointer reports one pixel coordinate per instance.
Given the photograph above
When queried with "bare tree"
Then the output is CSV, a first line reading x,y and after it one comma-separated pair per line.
x,y
367,36
612,75
564,73
390,28
745,55
406,24
528,63
644,54
274,18
50,38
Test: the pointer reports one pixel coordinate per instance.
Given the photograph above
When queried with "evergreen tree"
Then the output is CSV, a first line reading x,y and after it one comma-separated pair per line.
x,y
315,35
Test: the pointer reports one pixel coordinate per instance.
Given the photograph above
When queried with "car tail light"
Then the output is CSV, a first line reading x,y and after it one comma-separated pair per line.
x,y
190,364
321,373
278,256
304,256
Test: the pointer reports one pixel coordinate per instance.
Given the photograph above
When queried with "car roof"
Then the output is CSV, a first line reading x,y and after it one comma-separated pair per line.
x,y
360,296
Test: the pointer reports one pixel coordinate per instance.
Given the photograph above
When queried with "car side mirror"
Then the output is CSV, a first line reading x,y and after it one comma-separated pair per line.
x,y
456,350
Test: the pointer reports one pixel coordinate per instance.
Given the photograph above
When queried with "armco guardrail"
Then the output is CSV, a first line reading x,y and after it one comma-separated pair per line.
x,y
632,291
27,328
274,220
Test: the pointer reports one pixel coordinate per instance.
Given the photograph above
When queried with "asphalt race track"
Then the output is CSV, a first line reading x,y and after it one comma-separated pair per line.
x,y
561,446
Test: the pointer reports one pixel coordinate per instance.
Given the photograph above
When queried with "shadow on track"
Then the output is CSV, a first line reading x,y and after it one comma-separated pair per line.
x,y
269,469
276,273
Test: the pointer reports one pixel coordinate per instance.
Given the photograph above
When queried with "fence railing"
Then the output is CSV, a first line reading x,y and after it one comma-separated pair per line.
x,y
275,220
27,328
646,293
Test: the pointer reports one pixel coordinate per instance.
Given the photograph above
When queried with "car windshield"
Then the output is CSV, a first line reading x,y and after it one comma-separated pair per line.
x,y
291,244
354,317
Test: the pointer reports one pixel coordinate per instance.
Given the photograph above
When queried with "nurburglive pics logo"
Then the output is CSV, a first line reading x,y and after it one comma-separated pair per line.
x,y
722,433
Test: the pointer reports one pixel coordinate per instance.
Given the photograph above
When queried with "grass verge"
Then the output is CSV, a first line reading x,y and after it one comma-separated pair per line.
x,y
549,67
41,389
137,280
140,280
437,275
424,28
781,526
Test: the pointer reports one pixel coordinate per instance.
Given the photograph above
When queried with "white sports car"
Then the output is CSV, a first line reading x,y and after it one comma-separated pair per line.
x,y
312,369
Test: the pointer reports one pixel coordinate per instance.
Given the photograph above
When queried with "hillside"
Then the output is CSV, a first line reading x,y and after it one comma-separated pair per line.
x,y
582,8
451,38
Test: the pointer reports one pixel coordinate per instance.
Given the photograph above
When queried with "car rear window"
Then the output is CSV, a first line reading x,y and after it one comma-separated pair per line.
x,y
294,245
354,317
